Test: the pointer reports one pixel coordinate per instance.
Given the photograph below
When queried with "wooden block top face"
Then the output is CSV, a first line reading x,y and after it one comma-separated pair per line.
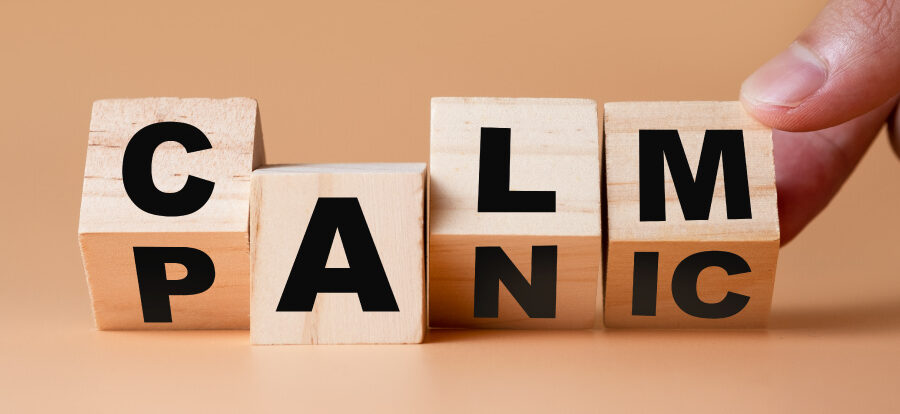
x,y
359,169
553,146
623,122
391,198
232,129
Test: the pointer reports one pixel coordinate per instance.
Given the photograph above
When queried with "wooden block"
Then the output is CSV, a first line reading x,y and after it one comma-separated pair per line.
x,y
165,211
338,254
692,216
514,223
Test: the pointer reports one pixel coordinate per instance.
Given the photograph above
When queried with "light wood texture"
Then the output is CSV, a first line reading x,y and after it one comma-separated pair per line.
x,y
451,286
392,200
554,146
755,239
712,284
109,260
232,127
110,224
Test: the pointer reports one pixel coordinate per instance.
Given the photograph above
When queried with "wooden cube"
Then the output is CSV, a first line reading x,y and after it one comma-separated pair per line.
x,y
165,210
692,216
338,254
515,235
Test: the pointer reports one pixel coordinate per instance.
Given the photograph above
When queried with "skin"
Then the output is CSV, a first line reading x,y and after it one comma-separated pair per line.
x,y
827,96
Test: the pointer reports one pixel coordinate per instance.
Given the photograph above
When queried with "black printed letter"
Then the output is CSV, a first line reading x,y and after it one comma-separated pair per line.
x,y
643,294
493,179
155,289
137,175
660,146
684,284
493,266
365,275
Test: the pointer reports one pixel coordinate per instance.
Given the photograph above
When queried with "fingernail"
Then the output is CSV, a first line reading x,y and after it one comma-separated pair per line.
x,y
786,80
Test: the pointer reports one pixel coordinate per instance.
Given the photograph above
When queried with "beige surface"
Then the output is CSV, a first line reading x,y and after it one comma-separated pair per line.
x,y
342,83
755,239
392,199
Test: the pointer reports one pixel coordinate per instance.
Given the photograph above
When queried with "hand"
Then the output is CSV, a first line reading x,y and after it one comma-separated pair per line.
x,y
834,87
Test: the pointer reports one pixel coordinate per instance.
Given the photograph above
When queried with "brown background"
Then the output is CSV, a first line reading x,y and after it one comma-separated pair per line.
x,y
343,81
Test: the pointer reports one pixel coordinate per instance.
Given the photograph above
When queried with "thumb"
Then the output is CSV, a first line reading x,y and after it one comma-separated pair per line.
x,y
846,63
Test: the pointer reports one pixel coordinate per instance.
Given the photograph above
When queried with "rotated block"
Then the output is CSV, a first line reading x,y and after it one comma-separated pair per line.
x,y
165,211
338,254
692,216
514,218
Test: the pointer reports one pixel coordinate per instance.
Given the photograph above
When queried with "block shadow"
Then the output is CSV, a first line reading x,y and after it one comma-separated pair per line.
x,y
858,317
868,317
441,335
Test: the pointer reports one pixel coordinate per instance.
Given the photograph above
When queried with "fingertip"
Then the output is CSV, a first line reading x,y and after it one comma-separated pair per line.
x,y
787,79
780,117
783,84
842,66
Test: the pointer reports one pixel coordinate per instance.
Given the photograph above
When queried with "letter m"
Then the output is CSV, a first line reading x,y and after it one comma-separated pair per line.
x,y
660,147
